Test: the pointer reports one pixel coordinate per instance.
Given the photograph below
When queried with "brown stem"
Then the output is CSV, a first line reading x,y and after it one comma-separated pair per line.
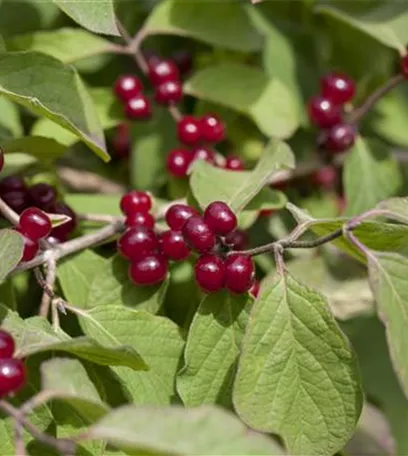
x,y
8,213
18,439
50,283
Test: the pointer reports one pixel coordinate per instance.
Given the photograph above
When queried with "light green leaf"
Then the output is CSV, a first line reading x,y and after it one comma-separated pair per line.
x,y
97,203
17,163
267,101
196,20
179,431
48,129
370,175
97,16
10,118
11,251
212,349
53,90
43,149
397,209
296,369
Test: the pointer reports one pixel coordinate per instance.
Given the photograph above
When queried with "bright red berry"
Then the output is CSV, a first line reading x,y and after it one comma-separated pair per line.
x,y
12,184
198,234
188,130
63,231
121,141
163,71
184,61
1,159
323,112
178,214
203,153
168,93
140,219
135,201
138,108
212,128
30,247
6,345
339,138
136,241
338,87
127,86
173,245
325,177
178,162
404,65
239,273
209,273
35,224
254,290
18,200
43,195
150,269
234,163
12,376
237,240
220,218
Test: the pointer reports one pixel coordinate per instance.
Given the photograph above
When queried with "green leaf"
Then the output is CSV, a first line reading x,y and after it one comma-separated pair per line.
x,y
49,129
370,175
296,368
196,20
17,163
9,118
43,149
212,349
267,101
96,203
97,16
53,90
11,251
385,22
179,431
397,209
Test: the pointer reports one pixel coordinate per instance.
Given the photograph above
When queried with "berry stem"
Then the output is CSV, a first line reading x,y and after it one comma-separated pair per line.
x,y
8,213
50,279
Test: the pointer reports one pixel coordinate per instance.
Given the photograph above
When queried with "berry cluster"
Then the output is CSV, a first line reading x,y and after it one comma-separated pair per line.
x,y
12,370
326,112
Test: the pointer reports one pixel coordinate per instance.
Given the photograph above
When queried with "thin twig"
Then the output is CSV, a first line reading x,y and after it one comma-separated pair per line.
x,y
50,279
18,439
8,213
38,400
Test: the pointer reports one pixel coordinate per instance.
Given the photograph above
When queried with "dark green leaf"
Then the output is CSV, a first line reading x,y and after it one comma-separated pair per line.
x,y
11,251
43,149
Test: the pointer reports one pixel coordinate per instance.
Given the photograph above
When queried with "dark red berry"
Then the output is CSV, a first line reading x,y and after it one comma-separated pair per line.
x,y
6,345
127,87
140,219
338,87
63,231
220,218
1,159
404,65
121,141
266,212
168,93
138,107
339,138
188,130
323,112
135,201
18,200
203,153
150,269
280,185
178,162
136,241
35,224
12,376
325,177
237,240
341,204
212,128
30,248
12,184
173,245
209,273
234,163
178,214
198,234
151,57
184,61
43,195
254,290
163,71
239,273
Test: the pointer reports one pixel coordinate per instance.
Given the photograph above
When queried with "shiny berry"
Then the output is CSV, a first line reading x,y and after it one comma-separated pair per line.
x,y
168,93
234,163
149,269
30,247
173,245
35,223
220,218
325,177
339,138
198,234
323,112
12,376
188,130
163,71
183,60
18,200
338,87
212,128
63,231
254,290
404,65
140,219
178,214
209,273
6,345
135,201
53,240
12,184
137,241
43,195
1,159
127,87
121,141
203,153
178,162
239,273
237,240
138,108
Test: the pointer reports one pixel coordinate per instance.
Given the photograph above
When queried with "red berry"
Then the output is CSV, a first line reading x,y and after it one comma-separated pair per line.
x,y
178,162
266,212
149,269
188,130
237,240
173,245
339,138
239,273
127,87
1,159
12,376
323,112
121,142
212,128
140,219
184,61
35,224
6,345
338,87
203,153
325,177
63,231
18,200
138,107
209,273
404,65
12,184
163,71
30,248
135,201
151,57
43,195
234,163
254,290
198,234
168,93
220,218
178,214
136,241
